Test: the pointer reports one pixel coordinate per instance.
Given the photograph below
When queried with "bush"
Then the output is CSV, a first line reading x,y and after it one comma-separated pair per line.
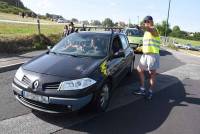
x,y
55,38
15,45
27,43
40,42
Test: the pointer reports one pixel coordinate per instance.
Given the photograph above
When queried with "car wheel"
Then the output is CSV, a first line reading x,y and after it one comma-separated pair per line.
x,y
102,99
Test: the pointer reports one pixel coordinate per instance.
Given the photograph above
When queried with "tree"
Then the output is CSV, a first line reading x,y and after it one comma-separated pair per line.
x,y
116,24
85,22
108,22
95,23
176,32
131,25
122,24
74,20
176,29
162,27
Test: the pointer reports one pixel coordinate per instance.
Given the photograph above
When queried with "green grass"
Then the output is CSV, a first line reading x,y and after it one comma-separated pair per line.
x,y
13,30
7,8
184,41
16,30
7,16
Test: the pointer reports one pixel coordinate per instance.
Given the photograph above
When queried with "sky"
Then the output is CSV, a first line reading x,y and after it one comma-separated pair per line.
x,y
184,13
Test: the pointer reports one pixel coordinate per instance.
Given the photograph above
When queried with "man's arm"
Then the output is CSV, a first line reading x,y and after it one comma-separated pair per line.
x,y
152,30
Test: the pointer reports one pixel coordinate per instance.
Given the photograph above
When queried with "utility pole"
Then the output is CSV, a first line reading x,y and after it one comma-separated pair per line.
x,y
138,20
16,3
167,21
38,25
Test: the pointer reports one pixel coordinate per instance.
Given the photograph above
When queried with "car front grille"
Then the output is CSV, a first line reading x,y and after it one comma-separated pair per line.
x,y
51,86
26,80
50,107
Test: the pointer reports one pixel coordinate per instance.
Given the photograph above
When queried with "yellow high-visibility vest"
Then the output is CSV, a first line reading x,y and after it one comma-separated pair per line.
x,y
151,44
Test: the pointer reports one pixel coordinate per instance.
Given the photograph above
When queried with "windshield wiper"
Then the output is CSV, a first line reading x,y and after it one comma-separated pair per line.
x,y
52,52
73,55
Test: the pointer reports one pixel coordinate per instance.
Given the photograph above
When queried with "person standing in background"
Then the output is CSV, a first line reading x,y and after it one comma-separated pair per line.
x,y
71,28
65,31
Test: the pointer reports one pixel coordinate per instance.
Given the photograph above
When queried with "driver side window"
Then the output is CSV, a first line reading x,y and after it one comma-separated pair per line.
x,y
124,41
117,45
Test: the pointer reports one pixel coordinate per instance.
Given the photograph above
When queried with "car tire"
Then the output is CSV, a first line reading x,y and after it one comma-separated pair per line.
x,y
102,99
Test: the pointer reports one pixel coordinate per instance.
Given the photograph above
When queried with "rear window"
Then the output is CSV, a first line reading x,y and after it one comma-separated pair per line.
x,y
134,32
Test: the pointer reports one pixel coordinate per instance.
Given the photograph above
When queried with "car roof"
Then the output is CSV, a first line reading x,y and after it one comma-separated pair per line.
x,y
100,32
131,28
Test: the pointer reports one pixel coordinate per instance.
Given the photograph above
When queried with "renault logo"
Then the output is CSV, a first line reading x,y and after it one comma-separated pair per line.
x,y
35,84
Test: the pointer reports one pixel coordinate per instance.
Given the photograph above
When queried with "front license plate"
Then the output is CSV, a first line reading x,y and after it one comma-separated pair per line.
x,y
39,98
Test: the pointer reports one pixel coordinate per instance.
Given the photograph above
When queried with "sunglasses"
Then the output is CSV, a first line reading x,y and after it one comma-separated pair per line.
x,y
146,21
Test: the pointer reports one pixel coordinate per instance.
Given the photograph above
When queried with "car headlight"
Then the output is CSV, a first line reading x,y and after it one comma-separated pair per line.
x,y
76,84
19,74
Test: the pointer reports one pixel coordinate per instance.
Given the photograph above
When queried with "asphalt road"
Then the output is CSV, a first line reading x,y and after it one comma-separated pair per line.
x,y
174,109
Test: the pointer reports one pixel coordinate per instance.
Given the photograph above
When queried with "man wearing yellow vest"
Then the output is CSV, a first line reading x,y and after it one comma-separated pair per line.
x,y
150,58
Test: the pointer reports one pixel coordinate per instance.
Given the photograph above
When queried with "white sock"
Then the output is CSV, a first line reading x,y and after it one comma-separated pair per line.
x,y
142,88
150,90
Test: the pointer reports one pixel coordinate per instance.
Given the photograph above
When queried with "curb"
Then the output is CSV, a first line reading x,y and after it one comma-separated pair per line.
x,y
10,67
182,51
187,52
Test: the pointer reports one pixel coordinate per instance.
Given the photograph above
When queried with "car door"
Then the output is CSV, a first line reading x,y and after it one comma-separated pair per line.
x,y
128,54
115,66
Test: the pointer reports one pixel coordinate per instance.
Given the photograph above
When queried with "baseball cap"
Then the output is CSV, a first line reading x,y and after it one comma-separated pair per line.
x,y
148,18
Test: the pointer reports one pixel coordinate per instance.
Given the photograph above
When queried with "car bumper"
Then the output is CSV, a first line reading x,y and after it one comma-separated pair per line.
x,y
55,104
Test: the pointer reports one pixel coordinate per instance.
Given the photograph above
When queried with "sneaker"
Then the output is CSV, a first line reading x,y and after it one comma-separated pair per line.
x,y
149,95
139,91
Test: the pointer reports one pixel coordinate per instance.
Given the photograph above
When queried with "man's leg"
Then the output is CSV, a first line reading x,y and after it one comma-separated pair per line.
x,y
141,89
140,69
141,76
152,79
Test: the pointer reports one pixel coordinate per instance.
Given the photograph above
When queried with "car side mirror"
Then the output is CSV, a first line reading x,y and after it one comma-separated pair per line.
x,y
118,55
49,48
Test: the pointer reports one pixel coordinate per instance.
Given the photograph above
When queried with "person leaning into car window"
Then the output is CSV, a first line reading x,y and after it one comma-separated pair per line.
x,y
116,47
71,28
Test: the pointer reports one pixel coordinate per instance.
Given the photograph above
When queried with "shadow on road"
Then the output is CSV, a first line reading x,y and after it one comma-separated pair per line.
x,y
167,61
164,52
138,117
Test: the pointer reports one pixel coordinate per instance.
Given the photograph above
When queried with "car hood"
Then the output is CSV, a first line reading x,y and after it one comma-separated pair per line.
x,y
63,65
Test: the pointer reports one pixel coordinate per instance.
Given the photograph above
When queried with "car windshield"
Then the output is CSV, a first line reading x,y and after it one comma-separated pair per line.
x,y
134,32
80,44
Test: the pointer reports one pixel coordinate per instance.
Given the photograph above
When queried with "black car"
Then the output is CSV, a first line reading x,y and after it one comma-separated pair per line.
x,y
81,70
